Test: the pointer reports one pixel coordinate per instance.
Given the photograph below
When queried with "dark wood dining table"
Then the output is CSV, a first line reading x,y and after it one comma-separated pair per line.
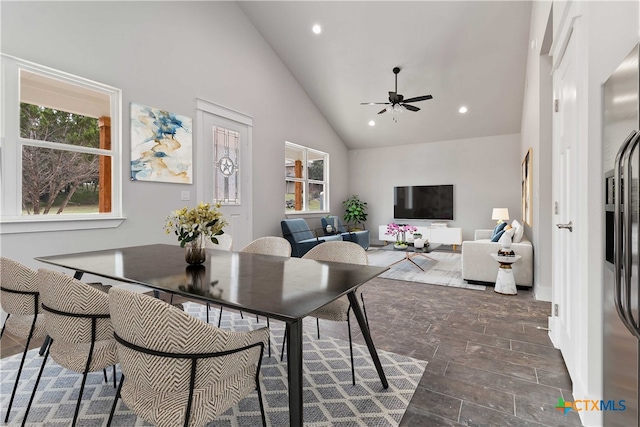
x,y
286,289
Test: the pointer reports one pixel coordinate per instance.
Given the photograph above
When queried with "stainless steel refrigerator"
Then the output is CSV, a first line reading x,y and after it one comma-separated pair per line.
x,y
621,145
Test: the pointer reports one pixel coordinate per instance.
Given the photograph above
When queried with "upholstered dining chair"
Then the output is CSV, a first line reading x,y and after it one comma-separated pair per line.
x,y
340,309
199,371
268,245
77,319
225,242
20,299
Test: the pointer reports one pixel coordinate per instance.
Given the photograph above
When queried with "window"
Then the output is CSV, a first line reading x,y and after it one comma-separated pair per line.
x,y
306,179
60,149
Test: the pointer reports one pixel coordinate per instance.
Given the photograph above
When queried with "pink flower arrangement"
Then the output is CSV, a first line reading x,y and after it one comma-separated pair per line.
x,y
399,231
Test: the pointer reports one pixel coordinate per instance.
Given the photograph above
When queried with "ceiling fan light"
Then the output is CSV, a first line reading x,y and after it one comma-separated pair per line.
x,y
397,108
389,109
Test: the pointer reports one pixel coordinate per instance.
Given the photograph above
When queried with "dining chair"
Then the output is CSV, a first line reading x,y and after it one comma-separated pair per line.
x,y
20,299
225,243
76,317
268,245
198,370
340,309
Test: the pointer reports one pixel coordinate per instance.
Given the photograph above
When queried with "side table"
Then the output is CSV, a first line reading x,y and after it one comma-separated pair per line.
x,y
505,282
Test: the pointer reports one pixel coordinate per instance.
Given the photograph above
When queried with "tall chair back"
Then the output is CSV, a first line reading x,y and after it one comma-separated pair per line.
x,y
177,369
20,299
225,242
77,320
269,245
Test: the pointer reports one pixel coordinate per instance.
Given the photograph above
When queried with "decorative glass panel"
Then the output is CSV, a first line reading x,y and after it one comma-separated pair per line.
x,y
226,157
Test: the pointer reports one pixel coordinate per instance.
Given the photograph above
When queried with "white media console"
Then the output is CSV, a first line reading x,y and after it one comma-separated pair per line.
x,y
444,235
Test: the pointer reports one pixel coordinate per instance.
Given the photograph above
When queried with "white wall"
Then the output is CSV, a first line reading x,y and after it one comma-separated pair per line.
x,y
536,134
165,54
485,173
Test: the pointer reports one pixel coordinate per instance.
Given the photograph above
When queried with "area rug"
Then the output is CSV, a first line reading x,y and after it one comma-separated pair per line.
x,y
446,270
329,397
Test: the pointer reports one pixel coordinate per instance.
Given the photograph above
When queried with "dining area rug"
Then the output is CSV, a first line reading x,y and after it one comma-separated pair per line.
x,y
329,398
443,269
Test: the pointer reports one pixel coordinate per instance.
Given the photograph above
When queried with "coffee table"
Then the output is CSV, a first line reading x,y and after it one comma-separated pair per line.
x,y
411,252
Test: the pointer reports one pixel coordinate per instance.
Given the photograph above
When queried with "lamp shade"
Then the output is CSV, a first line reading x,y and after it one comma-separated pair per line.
x,y
500,214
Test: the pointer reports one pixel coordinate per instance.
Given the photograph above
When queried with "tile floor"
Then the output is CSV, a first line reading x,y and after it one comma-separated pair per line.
x,y
489,364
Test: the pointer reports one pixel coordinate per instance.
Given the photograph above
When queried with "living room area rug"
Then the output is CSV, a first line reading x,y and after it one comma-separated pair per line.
x,y
329,397
444,270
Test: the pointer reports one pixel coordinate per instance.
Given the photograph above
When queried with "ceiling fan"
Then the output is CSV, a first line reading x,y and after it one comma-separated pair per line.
x,y
397,103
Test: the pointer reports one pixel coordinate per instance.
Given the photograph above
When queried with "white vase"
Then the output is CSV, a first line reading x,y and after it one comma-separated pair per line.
x,y
418,243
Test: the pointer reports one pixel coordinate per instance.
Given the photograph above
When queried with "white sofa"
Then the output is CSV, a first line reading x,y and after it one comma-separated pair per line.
x,y
479,265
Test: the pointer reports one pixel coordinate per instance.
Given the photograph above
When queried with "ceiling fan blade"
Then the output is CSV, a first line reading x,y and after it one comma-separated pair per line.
x,y
375,103
410,107
383,111
393,97
419,98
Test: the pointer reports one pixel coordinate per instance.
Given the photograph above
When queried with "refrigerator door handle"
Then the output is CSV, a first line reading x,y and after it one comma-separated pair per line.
x,y
627,221
619,227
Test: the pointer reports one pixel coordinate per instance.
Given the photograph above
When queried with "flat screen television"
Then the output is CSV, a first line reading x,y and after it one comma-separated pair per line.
x,y
423,202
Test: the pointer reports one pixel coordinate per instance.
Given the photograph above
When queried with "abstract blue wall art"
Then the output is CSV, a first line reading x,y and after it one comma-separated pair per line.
x,y
161,145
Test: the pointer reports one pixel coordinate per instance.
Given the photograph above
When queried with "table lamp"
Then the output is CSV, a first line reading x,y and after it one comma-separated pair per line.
x,y
500,214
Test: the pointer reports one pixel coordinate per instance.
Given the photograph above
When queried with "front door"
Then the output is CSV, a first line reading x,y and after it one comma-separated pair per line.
x,y
224,167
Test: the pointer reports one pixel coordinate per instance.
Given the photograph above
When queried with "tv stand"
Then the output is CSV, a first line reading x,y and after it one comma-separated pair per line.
x,y
446,236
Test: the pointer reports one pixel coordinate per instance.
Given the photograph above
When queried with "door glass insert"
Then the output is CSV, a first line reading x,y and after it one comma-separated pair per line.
x,y
226,157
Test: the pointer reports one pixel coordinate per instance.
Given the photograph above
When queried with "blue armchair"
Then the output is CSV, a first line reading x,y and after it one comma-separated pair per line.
x,y
359,237
301,238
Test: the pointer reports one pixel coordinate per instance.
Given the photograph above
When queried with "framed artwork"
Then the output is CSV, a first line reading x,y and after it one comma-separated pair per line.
x,y
161,145
527,189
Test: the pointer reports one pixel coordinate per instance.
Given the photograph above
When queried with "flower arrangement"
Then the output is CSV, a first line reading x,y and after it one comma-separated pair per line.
x,y
400,232
191,224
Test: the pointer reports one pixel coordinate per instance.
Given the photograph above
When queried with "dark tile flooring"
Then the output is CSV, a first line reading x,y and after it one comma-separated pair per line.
x,y
488,363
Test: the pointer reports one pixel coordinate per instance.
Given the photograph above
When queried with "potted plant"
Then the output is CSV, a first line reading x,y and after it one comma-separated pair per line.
x,y
355,211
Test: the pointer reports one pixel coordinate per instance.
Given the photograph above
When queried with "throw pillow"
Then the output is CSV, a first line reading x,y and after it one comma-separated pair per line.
x,y
519,231
497,236
498,229
507,237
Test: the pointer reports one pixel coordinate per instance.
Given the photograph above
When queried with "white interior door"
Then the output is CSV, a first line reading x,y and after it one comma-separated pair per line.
x,y
225,167
565,179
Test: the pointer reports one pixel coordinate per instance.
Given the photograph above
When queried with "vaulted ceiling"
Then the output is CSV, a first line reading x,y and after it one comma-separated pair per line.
x,y
469,54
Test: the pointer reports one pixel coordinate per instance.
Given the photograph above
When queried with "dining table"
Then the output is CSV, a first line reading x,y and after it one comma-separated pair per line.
x,y
282,288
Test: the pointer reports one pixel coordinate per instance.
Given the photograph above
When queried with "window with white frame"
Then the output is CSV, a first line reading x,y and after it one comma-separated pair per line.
x,y
306,179
60,147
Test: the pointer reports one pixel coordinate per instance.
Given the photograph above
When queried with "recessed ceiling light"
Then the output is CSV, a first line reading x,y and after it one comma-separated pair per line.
x,y
462,110
372,123
317,29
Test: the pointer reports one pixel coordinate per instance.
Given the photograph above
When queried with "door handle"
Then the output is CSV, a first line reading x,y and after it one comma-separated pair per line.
x,y
568,226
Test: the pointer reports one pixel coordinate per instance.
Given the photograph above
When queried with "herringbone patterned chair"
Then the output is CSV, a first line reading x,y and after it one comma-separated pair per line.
x,y
20,299
178,370
76,316
340,309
